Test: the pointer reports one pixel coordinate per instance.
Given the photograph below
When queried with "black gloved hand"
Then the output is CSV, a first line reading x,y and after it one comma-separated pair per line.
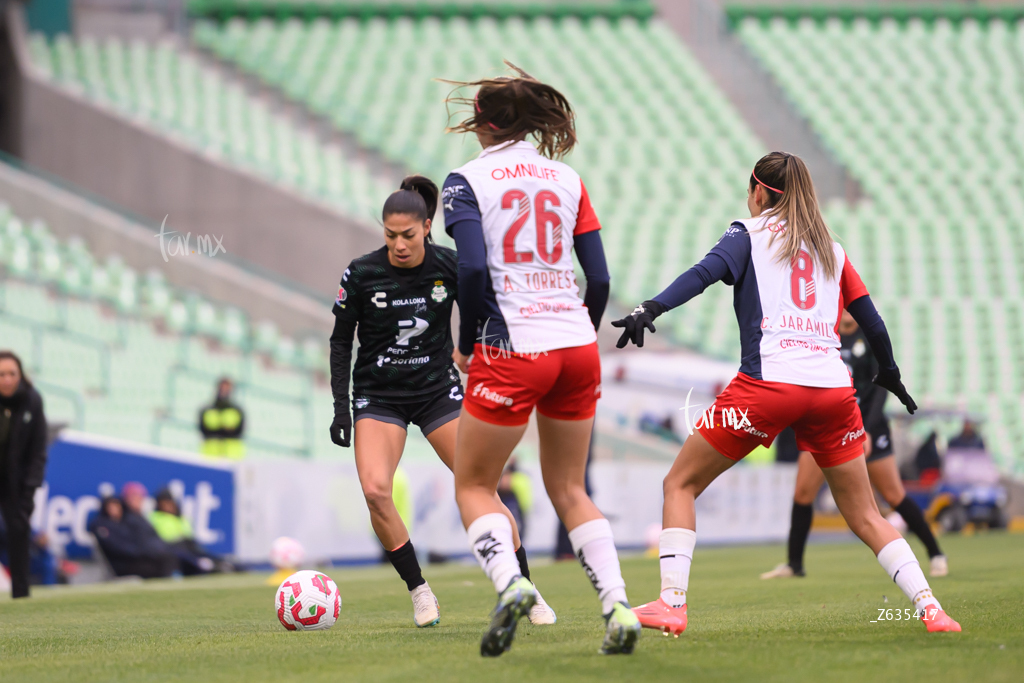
x,y
642,317
341,428
890,379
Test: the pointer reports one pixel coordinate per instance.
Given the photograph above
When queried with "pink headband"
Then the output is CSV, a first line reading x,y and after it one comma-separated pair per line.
x,y
763,185
476,103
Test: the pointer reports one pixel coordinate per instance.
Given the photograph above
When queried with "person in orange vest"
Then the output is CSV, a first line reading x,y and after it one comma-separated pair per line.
x,y
222,424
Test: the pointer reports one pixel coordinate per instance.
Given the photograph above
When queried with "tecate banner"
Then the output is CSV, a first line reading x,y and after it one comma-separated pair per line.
x,y
83,468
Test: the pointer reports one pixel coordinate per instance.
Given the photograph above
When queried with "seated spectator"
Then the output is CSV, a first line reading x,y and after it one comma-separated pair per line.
x,y
134,494
968,437
176,531
129,549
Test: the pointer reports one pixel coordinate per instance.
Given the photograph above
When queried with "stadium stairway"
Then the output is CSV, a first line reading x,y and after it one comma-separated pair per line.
x,y
703,26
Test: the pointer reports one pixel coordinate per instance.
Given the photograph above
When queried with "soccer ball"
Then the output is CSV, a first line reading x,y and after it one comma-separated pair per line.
x,y
286,553
308,601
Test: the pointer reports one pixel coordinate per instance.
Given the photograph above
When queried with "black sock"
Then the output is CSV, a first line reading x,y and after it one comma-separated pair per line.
x,y
524,568
406,564
911,514
799,530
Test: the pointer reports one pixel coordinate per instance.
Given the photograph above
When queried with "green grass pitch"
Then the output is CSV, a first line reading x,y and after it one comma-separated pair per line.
x,y
741,628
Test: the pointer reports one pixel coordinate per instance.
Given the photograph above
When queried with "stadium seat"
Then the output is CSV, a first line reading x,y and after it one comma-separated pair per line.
x,y
81,330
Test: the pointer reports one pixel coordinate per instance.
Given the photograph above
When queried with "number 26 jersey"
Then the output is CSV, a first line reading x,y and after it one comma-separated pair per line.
x,y
530,207
404,324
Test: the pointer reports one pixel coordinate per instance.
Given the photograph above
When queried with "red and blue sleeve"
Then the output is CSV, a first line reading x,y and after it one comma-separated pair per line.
x,y
855,298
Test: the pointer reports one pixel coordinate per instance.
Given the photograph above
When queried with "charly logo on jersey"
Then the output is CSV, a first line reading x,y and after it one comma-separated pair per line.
x,y
439,293
380,300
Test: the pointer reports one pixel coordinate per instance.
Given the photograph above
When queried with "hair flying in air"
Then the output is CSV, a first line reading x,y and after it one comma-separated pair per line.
x,y
515,107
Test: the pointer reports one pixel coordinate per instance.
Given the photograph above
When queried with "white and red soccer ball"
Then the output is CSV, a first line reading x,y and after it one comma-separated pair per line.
x,y
287,553
308,601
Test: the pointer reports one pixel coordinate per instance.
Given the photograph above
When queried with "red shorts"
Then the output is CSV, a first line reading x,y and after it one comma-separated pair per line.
x,y
502,388
750,412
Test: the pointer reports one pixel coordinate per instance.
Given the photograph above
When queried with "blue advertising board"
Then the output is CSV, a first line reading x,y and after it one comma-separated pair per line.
x,y
82,469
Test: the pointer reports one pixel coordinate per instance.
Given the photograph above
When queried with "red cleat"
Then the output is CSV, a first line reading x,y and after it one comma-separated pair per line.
x,y
937,621
659,615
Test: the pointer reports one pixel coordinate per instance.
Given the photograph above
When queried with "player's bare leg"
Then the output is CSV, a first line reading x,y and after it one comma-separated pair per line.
x,y
563,459
378,447
481,453
851,489
885,477
809,479
697,465
443,439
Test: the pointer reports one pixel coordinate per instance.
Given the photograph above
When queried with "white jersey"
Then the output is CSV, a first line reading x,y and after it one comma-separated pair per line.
x,y
531,207
788,313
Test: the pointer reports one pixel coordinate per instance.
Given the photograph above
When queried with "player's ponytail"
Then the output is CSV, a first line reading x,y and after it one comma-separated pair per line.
x,y
417,197
791,199
506,109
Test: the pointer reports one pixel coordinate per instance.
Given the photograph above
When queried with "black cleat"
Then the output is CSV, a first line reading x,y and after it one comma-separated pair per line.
x,y
513,604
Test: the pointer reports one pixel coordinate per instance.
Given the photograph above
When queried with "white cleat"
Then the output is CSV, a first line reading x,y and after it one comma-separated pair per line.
x,y
426,611
541,613
940,566
783,571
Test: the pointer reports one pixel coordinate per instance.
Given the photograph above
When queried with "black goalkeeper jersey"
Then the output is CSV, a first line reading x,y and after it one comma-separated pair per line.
x,y
404,325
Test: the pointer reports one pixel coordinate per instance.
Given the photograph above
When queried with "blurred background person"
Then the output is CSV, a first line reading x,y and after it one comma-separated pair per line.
x,y
516,491
968,437
176,531
129,549
22,464
133,497
222,424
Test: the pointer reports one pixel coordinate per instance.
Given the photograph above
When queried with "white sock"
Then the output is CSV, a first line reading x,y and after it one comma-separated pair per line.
x,y
595,548
899,562
490,537
676,551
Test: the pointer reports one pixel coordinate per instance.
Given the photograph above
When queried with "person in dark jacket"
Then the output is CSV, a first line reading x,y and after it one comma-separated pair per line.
x,y
130,548
22,463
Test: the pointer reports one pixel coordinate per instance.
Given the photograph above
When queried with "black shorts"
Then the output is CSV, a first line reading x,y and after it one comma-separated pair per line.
x,y
436,410
881,440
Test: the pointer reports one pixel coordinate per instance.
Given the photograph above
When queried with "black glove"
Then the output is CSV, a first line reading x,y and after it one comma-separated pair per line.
x,y
634,323
890,379
341,428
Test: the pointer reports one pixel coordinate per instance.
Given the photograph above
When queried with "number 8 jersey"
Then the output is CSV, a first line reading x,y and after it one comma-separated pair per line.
x,y
531,207
788,314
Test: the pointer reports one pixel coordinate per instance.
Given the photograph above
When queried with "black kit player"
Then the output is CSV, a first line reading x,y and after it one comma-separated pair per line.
x,y
882,470
400,298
